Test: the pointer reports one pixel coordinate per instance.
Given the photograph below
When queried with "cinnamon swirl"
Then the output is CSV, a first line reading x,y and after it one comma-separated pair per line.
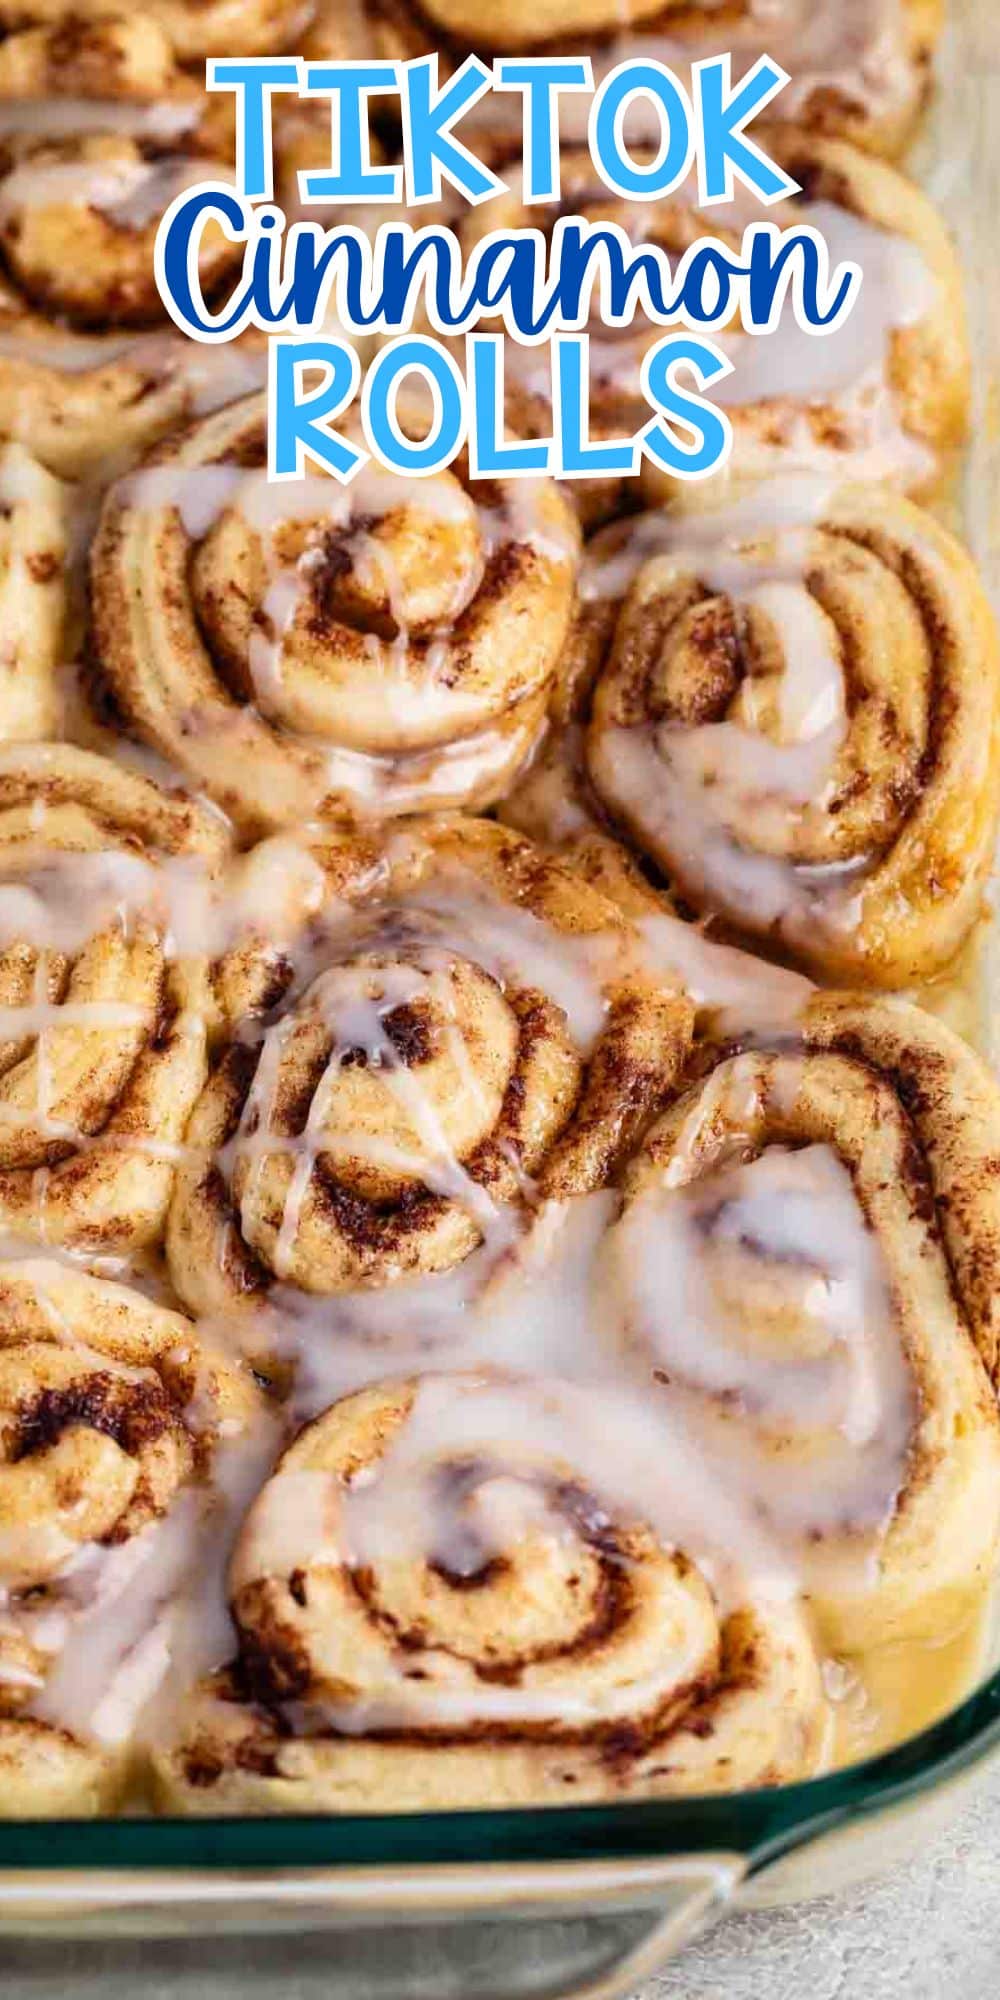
x,y
98,131
465,1028
798,719
884,398
103,1025
806,1260
114,1421
365,651
451,1594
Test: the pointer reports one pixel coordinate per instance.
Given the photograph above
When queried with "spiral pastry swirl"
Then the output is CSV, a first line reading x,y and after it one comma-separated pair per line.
x,y
886,397
800,725
99,130
102,1030
529,1636
805,1260
366,651
112,1416
464,1027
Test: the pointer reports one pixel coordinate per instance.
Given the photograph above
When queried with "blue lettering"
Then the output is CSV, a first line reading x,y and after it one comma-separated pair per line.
x,y
253,81
299,422
380,395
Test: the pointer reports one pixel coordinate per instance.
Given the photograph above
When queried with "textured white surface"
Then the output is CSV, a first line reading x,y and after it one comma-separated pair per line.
x,y
927,1931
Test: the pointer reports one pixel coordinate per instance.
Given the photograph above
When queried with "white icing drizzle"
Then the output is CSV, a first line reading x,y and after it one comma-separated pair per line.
x,y
71,117
743,993
408,950
524,1438
760,1292
427,764
128,1628
858,51
725,799
131,193
59,903
353,1003
849,369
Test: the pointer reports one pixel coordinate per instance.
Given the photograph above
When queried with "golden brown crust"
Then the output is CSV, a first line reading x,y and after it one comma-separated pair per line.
x,y
521,25
35,540
902,425
370,652
913,1117
194,28
90,370
427,978
592,1664
110,1413
952,1104
105,1050
903,813
862,73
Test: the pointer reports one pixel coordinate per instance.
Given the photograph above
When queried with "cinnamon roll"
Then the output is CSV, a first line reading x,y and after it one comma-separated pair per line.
x,y
517,25
464,1029
884,398
859,69
98,131
195,28
364,651
806,1261
35,538
114,1422
453,1592
798,720
340,31
104,1015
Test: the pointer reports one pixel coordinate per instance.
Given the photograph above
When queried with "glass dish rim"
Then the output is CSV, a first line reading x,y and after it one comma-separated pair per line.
x,y
760,1826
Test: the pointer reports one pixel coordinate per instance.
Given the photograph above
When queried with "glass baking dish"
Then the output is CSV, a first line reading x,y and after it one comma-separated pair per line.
x,y
570,1901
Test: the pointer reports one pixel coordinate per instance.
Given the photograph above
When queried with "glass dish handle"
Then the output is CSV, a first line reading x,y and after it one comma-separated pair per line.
x,y
586,1931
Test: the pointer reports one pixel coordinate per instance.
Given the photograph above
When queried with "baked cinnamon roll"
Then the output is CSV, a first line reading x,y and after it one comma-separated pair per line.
x,y
195,28
36,527
114,1423
365,651
884,398
104,1013
517,25
452,1594
805,1261
460,1029
860,69
99,131
798,720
